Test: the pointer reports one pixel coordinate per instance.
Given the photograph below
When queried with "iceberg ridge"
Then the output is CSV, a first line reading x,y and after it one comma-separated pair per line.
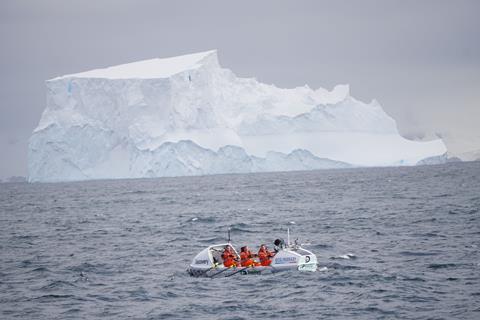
x,y
131,120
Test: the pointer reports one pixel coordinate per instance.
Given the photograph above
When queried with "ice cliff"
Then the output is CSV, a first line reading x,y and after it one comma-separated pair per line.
x,y
187,115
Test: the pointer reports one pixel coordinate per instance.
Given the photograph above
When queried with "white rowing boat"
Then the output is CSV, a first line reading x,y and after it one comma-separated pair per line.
x,y
209,262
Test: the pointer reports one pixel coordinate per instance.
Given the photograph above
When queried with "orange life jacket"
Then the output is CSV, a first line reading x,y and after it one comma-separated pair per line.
x,y
264,256
246,259
228,259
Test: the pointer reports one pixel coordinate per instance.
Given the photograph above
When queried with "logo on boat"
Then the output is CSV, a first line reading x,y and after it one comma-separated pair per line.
x,y
283,260
201,261
307,259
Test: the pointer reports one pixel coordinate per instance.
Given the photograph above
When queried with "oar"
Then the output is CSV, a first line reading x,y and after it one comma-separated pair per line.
x,y
236,272
219,272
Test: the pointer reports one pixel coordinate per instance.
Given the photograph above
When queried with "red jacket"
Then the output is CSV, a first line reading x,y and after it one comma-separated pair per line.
x,y
264,255
246,259
228,259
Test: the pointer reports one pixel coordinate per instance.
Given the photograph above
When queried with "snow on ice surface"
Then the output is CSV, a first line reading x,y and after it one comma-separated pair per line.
x,y
146,69
187,116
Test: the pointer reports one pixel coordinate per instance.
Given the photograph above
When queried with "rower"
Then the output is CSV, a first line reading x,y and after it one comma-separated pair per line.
x,y
246,258
229,258
264,255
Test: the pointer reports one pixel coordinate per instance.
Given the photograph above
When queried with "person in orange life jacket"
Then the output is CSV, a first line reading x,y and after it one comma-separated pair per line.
x,y
229,258
264,255
246,258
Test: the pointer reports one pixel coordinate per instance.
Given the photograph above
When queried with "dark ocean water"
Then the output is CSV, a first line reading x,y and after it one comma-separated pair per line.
x,y
119,249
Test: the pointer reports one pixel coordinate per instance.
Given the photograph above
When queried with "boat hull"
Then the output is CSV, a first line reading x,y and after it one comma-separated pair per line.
x,y
222,271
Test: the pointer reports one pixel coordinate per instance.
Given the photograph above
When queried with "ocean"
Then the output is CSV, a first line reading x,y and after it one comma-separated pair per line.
x,y
392,243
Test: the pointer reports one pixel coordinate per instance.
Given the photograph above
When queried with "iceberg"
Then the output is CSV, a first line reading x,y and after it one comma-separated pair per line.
x,y
187,115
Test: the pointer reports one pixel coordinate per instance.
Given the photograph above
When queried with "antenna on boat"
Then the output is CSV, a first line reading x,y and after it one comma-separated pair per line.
x,y
288,237
229,234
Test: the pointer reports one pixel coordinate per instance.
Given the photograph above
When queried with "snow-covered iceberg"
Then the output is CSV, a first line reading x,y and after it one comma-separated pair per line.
x,y
186,115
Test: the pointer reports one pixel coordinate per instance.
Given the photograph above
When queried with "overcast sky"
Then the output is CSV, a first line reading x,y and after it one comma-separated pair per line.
x,y
419,59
